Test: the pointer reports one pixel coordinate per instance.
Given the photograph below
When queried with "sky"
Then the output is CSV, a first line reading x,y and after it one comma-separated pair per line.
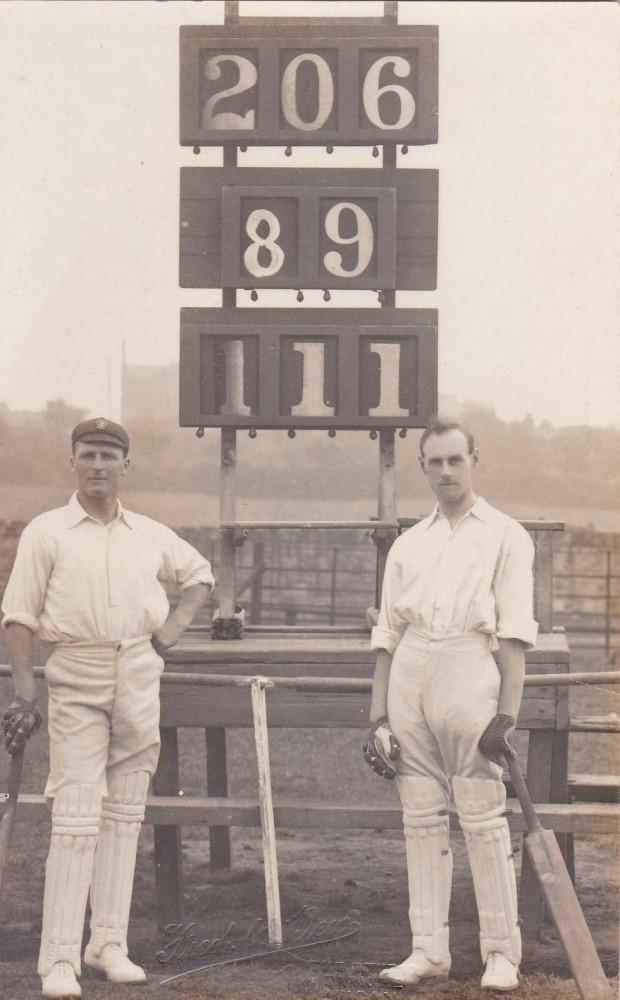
x,y
529,196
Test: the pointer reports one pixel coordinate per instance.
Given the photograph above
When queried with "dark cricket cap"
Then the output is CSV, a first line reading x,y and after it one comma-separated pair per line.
x,y
99,431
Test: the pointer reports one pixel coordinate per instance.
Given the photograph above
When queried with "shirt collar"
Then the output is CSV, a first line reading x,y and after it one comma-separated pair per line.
x,y
479,509
77,514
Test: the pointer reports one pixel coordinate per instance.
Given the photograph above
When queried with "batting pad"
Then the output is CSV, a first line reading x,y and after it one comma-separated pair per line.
x,y
115,861
480,805
75,824
429,864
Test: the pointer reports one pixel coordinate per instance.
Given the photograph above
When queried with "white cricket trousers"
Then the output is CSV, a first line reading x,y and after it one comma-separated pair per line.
x,y
442,694
103,711
104,747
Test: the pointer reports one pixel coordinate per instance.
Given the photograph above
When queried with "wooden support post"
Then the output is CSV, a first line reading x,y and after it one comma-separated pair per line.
x,y
559,793
256,590
543,580
217,787
168,857
261,737
387,501
539,765
227,582
332,591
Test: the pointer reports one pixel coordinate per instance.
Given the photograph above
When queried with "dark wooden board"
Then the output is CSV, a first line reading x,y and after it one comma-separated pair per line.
x,y
347,379
241,70
207,233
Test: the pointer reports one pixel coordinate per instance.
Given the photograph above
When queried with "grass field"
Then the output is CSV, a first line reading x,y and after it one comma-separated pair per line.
x,y
331,883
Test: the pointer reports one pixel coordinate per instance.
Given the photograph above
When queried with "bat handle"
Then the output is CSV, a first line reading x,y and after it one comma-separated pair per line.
x,y
529,814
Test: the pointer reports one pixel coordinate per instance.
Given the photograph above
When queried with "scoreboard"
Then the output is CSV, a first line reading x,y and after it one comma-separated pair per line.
x,y
308,85
287,228
316,368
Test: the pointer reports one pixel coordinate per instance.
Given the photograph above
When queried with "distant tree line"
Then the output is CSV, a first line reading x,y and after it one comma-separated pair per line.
x,y
520,460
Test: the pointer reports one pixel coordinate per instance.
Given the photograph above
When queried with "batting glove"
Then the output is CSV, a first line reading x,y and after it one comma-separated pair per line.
x,y
19,721
494,740
381,749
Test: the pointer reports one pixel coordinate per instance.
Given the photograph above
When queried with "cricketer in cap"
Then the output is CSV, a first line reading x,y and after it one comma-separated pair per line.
x,y
88,578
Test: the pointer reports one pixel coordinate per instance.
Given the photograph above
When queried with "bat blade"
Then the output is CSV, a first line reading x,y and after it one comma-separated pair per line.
x,y
559,894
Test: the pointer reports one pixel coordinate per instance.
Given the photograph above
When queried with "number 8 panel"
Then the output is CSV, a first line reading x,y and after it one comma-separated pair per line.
x,y
306,89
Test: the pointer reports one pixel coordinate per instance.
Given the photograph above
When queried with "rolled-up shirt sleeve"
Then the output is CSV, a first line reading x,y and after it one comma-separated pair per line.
x,y
388,631
24,596
514,588
183,564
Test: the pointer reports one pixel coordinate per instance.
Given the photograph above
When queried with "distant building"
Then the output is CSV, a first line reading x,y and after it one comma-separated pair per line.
x,y
150,392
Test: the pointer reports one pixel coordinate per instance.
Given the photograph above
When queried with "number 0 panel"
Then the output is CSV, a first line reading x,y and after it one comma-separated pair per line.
x,y
311,88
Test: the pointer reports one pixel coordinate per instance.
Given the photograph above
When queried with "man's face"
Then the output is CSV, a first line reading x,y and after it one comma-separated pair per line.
x,y
448,466
98,468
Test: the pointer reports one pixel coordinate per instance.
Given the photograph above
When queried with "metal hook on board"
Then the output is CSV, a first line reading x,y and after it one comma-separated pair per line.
x,y
373,435
300,295
326,296
402,432
331,432
254,295
252,432
404,150
196,151
288,151
291,432
200,432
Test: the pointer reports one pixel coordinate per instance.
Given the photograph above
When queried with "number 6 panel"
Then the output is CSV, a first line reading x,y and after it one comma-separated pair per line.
x,y
317,229
308,88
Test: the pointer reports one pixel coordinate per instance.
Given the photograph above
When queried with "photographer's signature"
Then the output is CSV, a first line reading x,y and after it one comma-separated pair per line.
x,y
305,929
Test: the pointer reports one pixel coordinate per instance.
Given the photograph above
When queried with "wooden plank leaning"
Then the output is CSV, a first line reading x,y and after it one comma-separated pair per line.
x,y
267,822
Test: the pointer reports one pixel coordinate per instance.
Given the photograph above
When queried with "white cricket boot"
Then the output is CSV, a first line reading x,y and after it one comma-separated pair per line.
x,y
500,974
481,803
112,883
75,825
429,870
60,982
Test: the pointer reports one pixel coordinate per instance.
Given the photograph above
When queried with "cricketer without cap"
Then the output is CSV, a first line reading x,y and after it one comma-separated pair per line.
x,y
457,585
88,579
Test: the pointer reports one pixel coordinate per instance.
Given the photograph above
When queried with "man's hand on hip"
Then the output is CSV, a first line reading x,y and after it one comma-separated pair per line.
x,y
163,639
381,749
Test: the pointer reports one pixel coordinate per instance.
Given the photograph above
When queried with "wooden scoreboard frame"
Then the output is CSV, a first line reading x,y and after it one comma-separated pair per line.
x,y
271,382
213,242
358,85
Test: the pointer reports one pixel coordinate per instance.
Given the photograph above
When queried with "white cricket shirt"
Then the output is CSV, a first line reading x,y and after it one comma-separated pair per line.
x,y
443,581
77,579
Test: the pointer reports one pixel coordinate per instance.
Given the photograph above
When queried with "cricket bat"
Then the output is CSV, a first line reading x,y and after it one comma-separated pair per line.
x,y
6,822
559,895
